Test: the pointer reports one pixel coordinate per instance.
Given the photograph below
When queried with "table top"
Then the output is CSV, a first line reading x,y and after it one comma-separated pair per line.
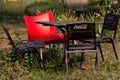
x,y
62,23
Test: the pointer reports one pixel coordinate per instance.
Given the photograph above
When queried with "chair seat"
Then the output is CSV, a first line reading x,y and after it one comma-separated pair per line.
x,y
53,39
50,39
82,47
31,44
100,40
61,35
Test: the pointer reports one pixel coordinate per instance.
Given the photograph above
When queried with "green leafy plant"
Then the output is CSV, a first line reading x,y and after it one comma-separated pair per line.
x,y
29,69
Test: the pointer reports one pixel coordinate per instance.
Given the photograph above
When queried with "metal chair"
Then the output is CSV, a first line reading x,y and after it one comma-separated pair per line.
x,y
110,25
108,33
25,47
80,32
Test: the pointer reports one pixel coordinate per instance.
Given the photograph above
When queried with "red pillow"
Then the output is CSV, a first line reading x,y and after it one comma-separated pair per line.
x,y
35,31
51,18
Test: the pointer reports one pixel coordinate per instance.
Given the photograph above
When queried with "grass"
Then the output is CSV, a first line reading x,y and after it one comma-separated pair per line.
x,y
109,68
15,71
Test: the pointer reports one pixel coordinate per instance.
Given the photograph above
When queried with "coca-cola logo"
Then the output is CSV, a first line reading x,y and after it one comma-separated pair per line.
x,y
77,27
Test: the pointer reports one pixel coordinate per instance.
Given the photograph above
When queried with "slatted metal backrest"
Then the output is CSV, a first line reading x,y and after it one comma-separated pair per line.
x,y
110,23
8,35
81,31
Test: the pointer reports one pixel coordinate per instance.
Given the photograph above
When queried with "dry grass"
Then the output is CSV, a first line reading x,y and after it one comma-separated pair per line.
x,y
14,71
109,68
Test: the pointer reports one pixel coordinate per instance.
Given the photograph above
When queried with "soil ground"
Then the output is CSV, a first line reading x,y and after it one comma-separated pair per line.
x,y
17,31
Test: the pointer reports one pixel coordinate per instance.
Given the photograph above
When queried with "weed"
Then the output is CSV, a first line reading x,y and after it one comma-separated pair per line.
x,y
29,69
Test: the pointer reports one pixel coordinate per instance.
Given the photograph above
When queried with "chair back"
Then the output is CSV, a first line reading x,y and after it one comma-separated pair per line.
x,y
37,31
80,32
8,35
110,23
51,18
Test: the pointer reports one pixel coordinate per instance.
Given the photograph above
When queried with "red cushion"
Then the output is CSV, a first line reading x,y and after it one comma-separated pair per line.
x,y
51,18
39,32
36,30
61,35
52,39
52,28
